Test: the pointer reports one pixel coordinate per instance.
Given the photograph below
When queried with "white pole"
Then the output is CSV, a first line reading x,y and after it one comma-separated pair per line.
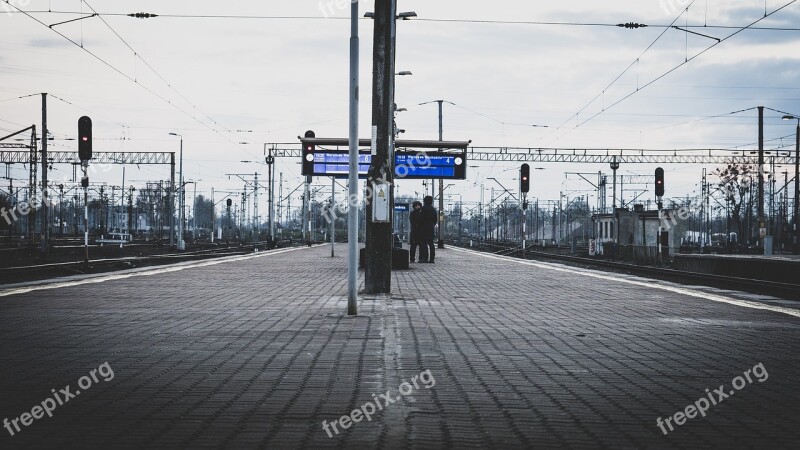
x,y
352,213
255,213
181,245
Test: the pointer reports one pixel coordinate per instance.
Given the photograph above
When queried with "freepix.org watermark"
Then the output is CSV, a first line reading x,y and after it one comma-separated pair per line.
x,y
59,398
379,402
713,398
332,213
673,6
329,7
9,6
23,208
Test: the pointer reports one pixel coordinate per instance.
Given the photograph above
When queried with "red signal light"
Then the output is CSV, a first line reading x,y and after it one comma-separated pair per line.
x,y
524,175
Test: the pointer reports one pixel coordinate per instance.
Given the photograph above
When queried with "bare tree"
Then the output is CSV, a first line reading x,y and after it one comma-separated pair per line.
x,y
736,182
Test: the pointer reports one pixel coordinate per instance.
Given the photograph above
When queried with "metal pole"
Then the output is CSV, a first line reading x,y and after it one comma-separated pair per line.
x,y
524,223
213,213
797,188
194,213
614,167
761,226
280,199
306,218
660,223
171,200
45,200
441,184
85,219
61,208
31,218
271,167
122,196
333,215
255,213
181,245
482,223
242,216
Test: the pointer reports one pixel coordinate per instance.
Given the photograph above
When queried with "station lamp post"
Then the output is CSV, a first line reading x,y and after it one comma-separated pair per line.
x,y
181,245
796,233
441,180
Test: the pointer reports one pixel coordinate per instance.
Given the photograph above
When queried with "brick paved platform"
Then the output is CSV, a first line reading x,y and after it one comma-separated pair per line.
x,y
255,352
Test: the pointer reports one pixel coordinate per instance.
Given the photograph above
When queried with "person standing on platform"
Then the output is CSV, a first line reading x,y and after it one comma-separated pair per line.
x,y
415,217
429,220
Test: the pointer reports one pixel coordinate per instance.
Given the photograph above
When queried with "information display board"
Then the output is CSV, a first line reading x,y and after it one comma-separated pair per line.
x,y
410,165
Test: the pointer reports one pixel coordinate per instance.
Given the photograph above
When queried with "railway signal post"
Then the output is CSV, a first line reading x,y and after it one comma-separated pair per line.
x,y
85,154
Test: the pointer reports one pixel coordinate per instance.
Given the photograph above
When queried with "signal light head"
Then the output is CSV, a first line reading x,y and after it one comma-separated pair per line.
x,y
308,155
659,182
85,138
525,178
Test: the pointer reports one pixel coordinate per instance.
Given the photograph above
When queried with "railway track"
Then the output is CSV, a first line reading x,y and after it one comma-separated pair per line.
x,y
783,290
54,270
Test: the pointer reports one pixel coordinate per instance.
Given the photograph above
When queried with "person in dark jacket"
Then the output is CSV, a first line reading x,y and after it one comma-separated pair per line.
x,y
415,217
429,220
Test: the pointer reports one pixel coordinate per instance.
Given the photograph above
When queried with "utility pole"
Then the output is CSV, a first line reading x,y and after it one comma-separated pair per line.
x,y
45,197
130,210
181,243
378,267
61,208
171,200
614,167
441,184
255,213
32,181
762,231
352,186
271,184
440,243
796,225
85,213
194,213
242,215
797,188
280,200
306,219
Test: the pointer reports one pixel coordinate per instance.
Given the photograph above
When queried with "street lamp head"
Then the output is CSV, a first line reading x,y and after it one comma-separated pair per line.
x,y
404,73
402,16
789,117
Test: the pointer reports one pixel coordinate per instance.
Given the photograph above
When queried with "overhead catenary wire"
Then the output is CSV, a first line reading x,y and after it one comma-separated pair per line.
x,y
129,78
418,19
703,118
139,56
614,81
668,72
432,20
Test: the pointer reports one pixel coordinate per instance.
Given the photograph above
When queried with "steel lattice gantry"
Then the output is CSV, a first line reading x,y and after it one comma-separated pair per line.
x,y
626,156
24,157
597,156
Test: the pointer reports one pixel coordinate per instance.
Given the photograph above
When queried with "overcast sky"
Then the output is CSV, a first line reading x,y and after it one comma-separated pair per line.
x,y
280,76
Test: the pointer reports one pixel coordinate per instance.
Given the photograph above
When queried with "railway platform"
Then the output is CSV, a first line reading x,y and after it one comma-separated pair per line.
x,y
475,351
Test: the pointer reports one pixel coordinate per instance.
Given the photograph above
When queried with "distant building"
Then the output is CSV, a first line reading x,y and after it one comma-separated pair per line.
x,y
638,227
